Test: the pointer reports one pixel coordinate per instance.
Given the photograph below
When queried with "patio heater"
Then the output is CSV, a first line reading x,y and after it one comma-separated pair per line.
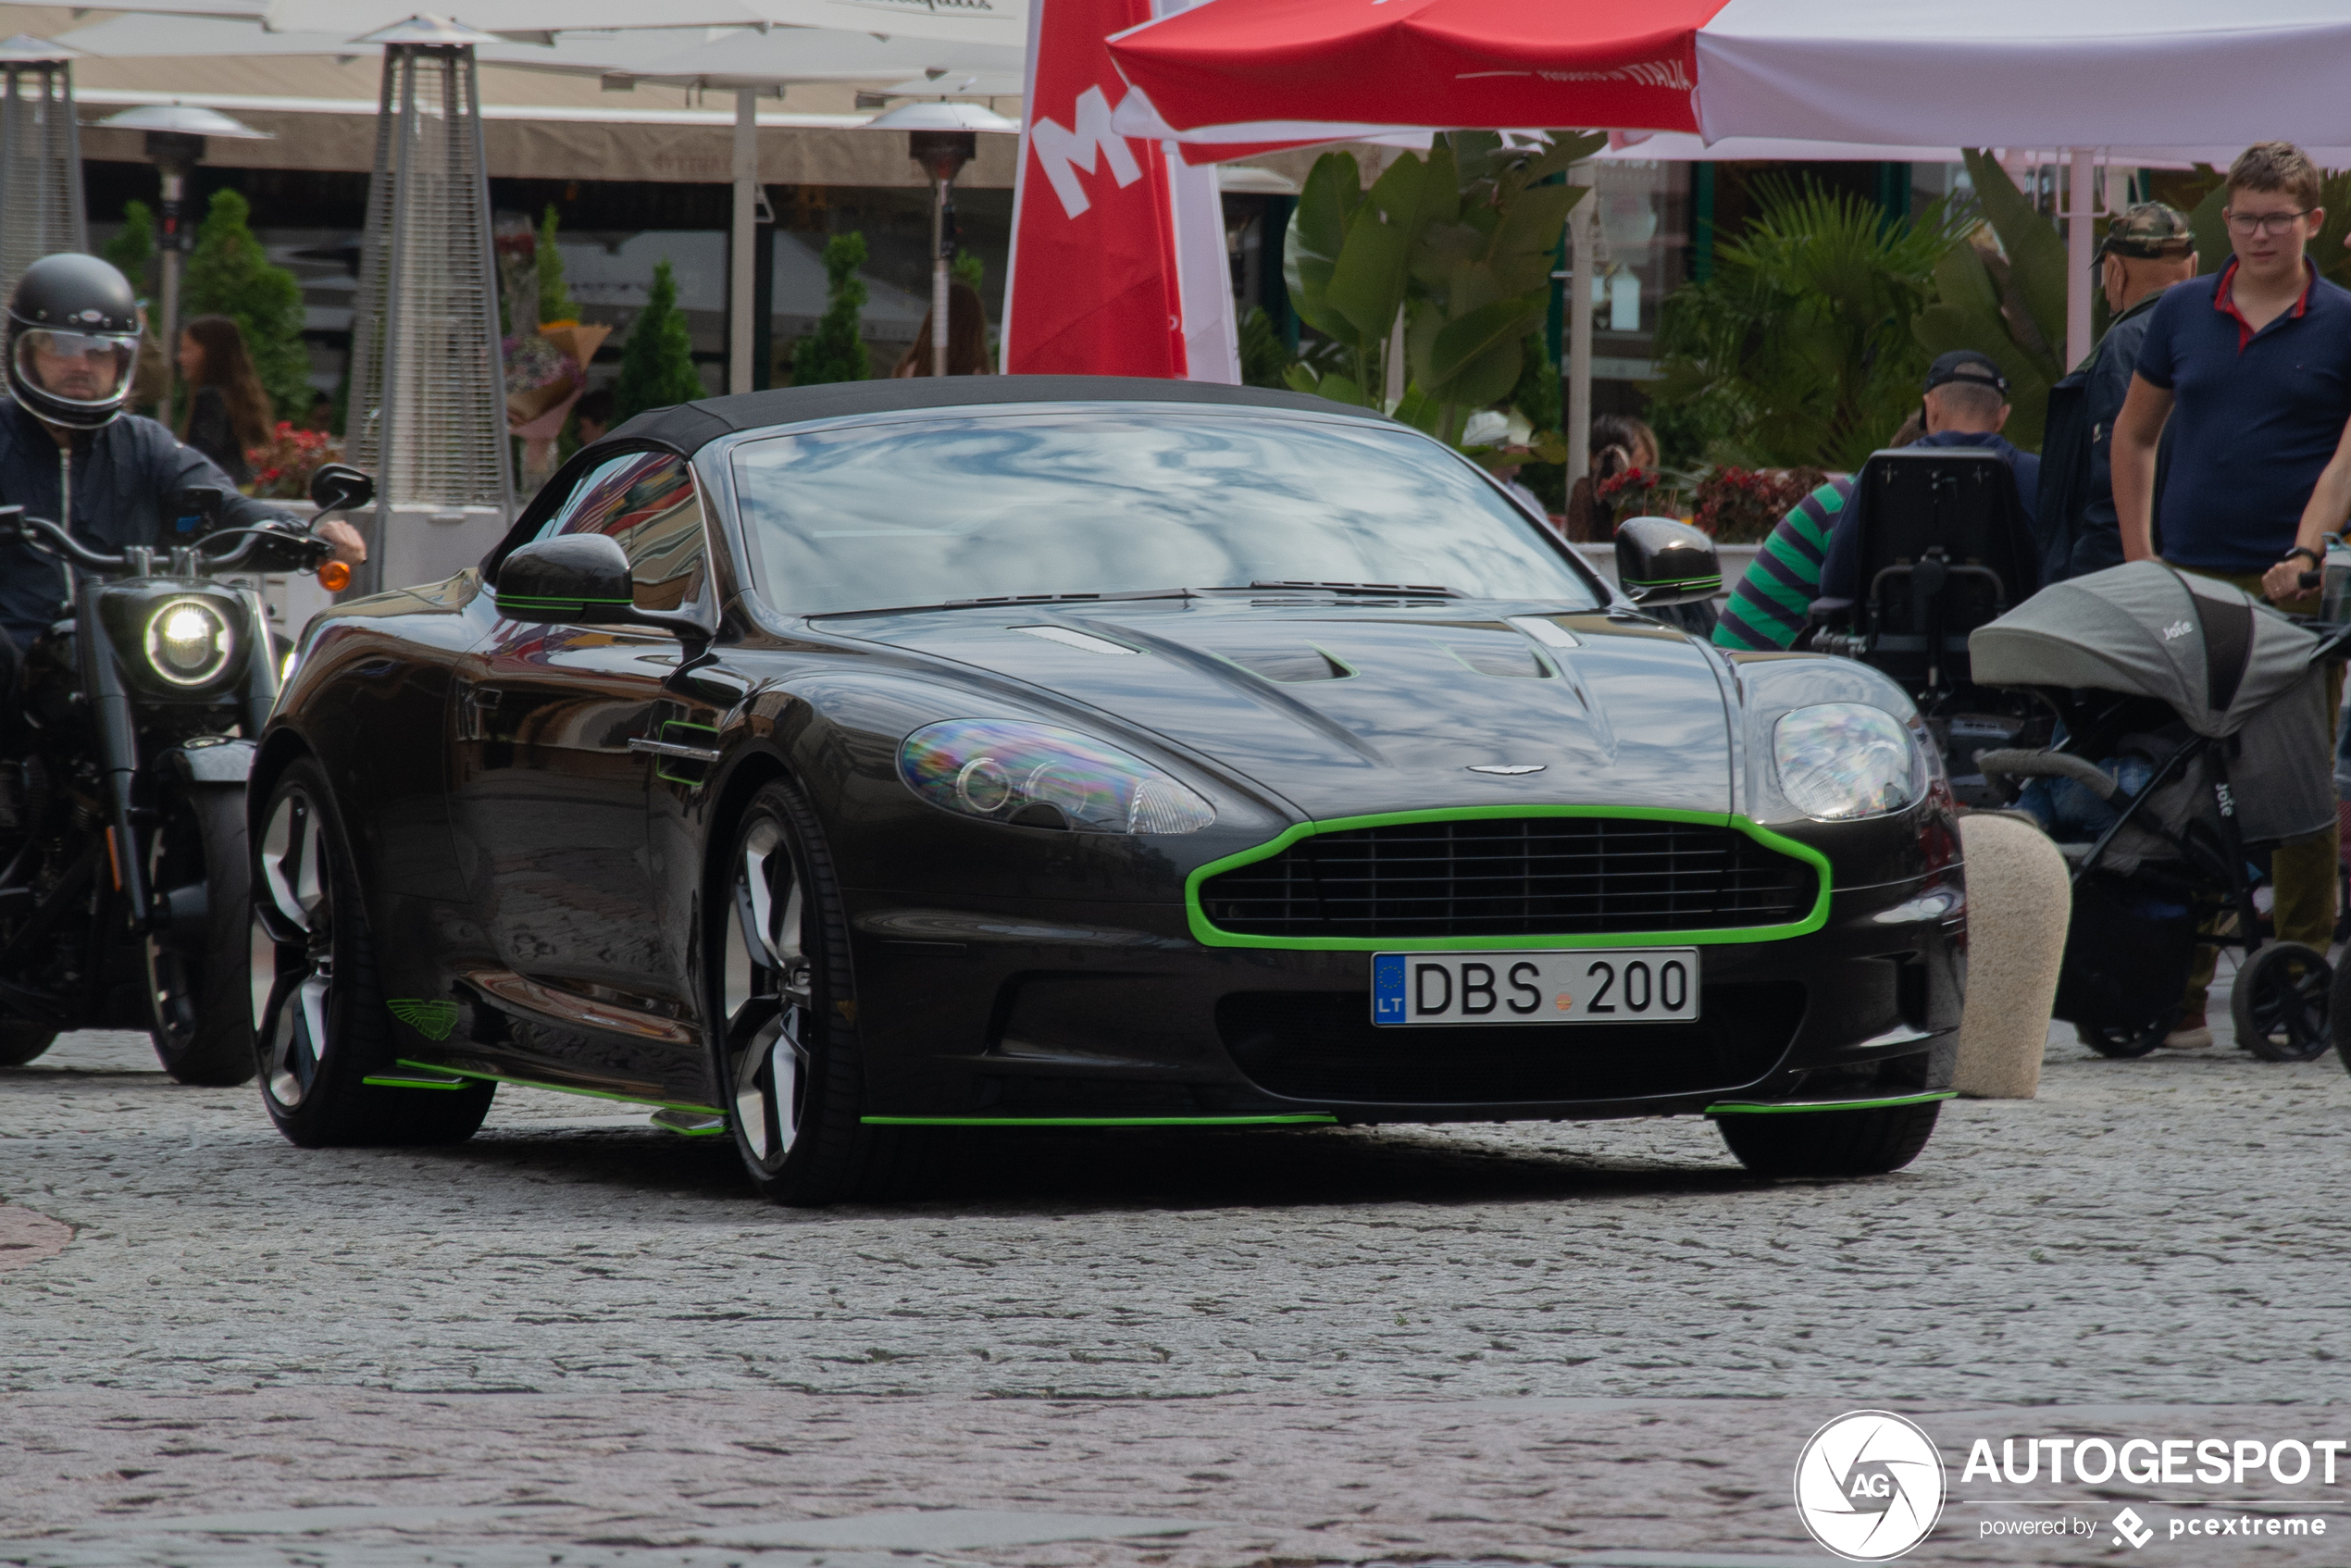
x,y
176,134
942,137
40,158
427,412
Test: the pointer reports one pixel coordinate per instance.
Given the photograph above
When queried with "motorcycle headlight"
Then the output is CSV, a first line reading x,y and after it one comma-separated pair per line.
x,y
1037,776
1840,761
188,643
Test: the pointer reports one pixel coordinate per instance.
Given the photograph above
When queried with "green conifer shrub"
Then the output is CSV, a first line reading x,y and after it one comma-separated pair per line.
x,y
228,274
657,362
836,350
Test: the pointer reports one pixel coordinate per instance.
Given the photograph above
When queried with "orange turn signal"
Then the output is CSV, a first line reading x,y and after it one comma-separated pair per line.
x,y
334,576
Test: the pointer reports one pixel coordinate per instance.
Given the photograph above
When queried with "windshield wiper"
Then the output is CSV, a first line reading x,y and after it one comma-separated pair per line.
x,y
1385,590
1015,601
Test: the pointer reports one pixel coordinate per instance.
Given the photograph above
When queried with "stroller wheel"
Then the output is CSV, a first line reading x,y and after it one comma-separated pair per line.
x,y
2339,1016
2280,1003
2126,1041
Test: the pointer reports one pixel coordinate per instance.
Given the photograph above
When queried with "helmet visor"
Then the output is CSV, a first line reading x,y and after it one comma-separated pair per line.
x,y
90,369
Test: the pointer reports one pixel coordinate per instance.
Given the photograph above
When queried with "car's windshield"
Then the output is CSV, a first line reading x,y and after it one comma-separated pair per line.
x,y
972,507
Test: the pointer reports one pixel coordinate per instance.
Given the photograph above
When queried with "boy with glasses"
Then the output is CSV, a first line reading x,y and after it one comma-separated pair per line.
x,y
2253,367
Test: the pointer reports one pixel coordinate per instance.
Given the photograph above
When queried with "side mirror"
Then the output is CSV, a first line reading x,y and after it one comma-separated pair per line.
x,y
338,487
1660,561
579,577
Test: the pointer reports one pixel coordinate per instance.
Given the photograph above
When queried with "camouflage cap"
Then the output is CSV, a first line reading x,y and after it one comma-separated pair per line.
x,y
2150,229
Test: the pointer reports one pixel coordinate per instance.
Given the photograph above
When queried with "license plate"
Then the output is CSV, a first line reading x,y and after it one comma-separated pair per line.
x,y
1641,985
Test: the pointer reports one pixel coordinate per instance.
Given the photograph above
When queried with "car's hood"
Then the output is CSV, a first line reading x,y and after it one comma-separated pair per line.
x,y
1346,709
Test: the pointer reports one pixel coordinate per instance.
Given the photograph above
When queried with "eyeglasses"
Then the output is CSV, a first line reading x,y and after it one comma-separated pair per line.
x,y
2264,222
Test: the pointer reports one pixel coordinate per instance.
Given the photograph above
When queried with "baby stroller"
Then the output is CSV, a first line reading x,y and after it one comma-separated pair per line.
x,y
2195,727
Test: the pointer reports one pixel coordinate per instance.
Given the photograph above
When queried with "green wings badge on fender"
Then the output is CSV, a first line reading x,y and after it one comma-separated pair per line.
x,y
432,1019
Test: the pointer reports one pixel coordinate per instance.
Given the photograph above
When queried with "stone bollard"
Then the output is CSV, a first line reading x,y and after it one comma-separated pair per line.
x,y
2018,902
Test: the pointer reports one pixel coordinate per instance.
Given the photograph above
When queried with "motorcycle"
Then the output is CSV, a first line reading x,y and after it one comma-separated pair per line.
x,y
123,870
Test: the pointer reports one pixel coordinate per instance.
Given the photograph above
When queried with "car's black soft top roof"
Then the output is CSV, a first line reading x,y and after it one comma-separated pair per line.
x,y
688,427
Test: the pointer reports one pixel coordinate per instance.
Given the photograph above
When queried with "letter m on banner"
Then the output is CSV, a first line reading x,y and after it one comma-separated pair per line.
x,y
1060,152
1093,290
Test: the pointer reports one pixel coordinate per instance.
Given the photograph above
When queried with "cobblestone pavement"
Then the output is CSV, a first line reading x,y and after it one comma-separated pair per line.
x,y
578,1339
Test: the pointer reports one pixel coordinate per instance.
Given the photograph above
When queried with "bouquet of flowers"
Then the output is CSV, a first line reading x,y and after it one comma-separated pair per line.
x,y
539,375
284,463
1742,505
1638,493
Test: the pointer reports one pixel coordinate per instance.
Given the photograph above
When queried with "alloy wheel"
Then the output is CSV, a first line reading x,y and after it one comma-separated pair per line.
x,y
766,994
292,950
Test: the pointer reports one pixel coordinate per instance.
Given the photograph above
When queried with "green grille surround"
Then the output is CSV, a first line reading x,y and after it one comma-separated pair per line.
x,y
1208,934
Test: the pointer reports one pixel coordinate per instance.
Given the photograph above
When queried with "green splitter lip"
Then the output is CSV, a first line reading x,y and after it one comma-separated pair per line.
x,y
1299,1118
1208,934
1800,1107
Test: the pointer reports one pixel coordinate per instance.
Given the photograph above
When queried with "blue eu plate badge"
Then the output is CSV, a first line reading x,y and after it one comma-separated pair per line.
x,y
1387,988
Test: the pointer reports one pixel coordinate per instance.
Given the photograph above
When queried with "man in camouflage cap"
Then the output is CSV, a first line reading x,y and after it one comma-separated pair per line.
x,y
2147,249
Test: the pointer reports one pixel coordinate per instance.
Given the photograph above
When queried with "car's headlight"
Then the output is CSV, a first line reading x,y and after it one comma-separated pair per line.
x,y
189,642
1839,761
1037,776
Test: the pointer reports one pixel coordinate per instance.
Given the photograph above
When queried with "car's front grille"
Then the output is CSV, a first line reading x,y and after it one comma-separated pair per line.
x,y
1324,1046
1511,876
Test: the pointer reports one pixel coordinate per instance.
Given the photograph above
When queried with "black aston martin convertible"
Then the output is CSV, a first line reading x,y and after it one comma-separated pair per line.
x,y
820,765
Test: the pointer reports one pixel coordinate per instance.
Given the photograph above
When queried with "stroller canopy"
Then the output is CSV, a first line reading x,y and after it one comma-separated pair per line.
x,y
2226,664
2213,653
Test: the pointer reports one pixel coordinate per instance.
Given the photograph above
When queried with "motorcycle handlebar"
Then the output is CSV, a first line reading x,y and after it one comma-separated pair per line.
x,y
316,550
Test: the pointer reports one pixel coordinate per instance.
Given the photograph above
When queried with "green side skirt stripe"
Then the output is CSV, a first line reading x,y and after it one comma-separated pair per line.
x,y
437,1068
1209,934
1774,1107
1302,1118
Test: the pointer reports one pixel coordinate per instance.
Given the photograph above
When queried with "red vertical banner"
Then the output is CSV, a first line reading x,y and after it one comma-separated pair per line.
x,y
1093,288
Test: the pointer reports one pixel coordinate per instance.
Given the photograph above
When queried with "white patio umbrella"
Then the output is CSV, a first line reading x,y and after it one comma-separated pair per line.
x,y
694,43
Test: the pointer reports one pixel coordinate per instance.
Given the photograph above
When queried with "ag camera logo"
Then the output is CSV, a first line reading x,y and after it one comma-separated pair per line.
x,y
1869,1485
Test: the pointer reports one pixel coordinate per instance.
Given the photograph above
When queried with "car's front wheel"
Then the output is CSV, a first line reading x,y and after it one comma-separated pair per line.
x,y
1829,1143
785,1002
321,1023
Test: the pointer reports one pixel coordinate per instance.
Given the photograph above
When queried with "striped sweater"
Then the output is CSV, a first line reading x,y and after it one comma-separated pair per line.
x,y
1766,608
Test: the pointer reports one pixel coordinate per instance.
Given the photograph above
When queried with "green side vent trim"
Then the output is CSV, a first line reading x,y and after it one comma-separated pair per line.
x,y
1208,934
437,1068
390,1081
1770,1108
668,769
1302,1118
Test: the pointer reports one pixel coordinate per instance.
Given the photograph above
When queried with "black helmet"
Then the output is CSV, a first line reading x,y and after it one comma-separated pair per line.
x,y
73,340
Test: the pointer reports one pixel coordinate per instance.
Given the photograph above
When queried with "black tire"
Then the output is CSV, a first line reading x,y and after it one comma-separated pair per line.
x,y
2128,1042
2339,1016
19,1043
1829,1143
320,1026
787,1056
195,956
2280,1003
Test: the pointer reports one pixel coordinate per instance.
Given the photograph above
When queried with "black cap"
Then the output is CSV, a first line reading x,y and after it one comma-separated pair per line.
x,y
1967,365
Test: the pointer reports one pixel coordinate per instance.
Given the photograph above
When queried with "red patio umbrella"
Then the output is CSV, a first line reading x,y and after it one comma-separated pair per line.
x,y
2009,73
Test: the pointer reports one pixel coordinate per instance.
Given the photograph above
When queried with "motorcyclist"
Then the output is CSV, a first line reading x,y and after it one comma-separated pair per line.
x,y
69,452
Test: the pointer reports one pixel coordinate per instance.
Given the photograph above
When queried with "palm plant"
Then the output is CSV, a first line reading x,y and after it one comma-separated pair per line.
x,y
1800,346
2003,295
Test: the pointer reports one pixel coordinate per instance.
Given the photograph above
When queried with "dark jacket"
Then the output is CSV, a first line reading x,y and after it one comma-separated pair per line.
x,y
2077,525
125,477
210,432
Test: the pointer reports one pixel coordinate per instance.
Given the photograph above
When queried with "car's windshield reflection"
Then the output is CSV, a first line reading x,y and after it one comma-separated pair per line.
x,y
972,507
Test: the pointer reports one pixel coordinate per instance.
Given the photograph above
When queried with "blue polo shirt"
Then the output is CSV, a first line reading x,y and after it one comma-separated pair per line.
x,y
2256,416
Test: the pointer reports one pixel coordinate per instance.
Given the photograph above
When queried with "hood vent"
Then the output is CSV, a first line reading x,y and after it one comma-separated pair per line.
x,y
1506,656
1291,666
